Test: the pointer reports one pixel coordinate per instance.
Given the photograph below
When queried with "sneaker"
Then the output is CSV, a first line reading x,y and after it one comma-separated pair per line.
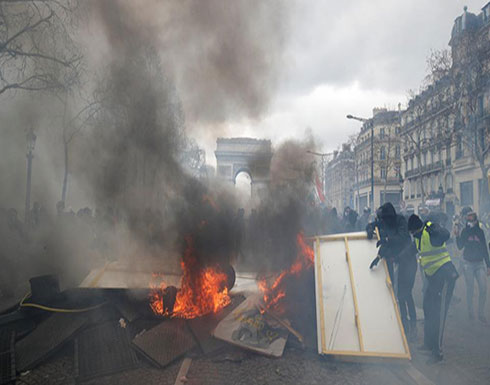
x,y
434,359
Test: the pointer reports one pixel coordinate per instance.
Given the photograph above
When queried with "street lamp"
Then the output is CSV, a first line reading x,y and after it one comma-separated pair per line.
x,y
31,142
369,122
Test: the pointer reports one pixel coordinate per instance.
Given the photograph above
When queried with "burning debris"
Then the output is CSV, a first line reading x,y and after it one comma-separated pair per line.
x,y
203,290
275,292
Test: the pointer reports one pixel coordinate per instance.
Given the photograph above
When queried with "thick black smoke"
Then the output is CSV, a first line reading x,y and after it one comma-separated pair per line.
x,y
156,68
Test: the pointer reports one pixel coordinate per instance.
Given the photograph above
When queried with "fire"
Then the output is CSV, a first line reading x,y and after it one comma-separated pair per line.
x,y
202,290
274,294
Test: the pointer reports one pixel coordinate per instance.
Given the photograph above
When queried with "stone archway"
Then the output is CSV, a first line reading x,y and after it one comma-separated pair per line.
x,y
253,156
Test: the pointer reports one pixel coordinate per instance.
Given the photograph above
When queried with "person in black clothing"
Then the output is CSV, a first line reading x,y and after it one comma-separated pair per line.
x,y
364,218
472,240
396,247
349,220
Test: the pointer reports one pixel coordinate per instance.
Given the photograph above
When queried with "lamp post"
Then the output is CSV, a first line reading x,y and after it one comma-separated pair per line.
x,y
368,122
31,142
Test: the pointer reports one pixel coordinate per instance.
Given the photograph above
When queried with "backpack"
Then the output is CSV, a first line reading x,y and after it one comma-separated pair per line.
x,y
438,234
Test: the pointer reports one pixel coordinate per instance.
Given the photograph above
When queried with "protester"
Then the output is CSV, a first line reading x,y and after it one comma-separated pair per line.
x,y
349,220
396,248
472,241
364,219
441,275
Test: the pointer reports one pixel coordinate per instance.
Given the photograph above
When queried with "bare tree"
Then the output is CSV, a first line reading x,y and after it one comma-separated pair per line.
x,y
71,125
36,49
416,145
439,64
193,157
471,80
386,148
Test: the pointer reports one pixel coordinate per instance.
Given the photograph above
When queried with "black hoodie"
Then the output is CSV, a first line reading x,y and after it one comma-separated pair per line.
x,y
472,239
393,231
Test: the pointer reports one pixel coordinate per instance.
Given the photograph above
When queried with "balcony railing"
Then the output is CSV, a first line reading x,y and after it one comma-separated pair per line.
x,y
425,169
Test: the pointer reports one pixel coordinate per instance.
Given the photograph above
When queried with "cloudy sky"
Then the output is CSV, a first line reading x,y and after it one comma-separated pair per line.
x,y
348,57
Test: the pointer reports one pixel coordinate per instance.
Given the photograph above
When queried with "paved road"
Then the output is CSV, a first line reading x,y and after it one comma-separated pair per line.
x,y
467,361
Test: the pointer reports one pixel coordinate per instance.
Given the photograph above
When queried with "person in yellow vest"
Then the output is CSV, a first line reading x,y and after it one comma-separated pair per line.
x,y
441,275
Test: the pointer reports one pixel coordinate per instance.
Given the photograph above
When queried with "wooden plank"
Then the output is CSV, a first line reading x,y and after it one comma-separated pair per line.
x,y
319,293
184,368
366,354
395,304
354,295
337,237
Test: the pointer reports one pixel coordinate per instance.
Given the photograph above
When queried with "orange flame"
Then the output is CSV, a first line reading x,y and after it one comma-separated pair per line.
x,y
202,290
274,294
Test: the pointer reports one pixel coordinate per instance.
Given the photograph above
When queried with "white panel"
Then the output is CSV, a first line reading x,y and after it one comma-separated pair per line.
x,y
378,318
381,330
338,305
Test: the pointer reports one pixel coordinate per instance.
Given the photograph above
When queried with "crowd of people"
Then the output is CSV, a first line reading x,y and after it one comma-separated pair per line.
x,y
66,242
444,248
441,248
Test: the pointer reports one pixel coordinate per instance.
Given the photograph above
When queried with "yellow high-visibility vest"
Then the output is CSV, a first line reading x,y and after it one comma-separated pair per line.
x,y
431,258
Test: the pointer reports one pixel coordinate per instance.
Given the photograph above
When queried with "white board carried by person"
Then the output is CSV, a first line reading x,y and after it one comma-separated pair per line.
x,y
357,313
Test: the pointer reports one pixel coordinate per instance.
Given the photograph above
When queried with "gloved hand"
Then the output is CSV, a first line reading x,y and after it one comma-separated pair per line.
x,y
374,263
381,241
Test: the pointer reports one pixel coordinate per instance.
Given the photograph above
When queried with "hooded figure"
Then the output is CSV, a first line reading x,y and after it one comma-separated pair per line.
x,y
396,247
394,236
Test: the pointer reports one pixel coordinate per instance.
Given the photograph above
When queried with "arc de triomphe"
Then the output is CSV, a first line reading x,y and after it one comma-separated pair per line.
x,y
252,156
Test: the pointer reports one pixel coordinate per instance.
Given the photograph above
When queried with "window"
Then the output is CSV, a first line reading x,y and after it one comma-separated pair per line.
x,y
382,155
459,148
432,157
406,165
383,172
466,193
449,182
382,133
397,151
411,163
424,161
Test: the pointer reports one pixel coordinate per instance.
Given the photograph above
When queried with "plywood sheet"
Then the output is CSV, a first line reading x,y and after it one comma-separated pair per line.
x,y
123,275
356,309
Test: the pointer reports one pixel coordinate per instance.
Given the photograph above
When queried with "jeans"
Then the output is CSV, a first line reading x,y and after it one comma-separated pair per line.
x,y
472,271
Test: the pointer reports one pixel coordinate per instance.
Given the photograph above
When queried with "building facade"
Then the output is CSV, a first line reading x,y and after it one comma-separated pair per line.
x,y
339,179
445,129
386,158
